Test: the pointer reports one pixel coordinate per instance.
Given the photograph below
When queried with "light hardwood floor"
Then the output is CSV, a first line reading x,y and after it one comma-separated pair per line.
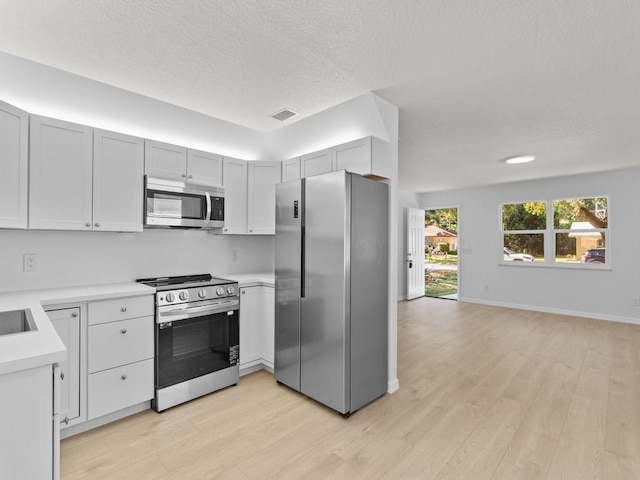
x,y
485,393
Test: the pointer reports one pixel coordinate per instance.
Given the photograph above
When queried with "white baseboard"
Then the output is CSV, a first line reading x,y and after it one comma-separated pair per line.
x,y
393,386
557,311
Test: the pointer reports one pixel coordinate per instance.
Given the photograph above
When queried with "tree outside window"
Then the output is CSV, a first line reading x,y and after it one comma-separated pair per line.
x,y
523,230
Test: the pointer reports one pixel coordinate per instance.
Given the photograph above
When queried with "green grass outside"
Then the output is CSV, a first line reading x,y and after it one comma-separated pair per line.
x,y
440,282
441,259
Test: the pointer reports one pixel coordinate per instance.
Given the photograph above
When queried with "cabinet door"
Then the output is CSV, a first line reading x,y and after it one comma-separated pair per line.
x,y
261,203
291,169
118,182
366,156
204,168
316,163
250,326
234,173
60,175
67,325
14,142
164,160
268,327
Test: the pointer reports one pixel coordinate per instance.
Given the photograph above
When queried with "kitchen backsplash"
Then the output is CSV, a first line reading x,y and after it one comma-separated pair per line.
x,y
82,258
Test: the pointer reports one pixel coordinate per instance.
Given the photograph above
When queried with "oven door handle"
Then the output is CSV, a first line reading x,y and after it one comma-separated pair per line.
x,y
192,312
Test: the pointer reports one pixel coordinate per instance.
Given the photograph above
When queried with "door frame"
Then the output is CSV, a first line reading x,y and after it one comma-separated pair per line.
x,y
457,207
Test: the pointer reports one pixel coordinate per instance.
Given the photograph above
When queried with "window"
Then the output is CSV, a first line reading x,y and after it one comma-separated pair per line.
x,y
523,231
580,228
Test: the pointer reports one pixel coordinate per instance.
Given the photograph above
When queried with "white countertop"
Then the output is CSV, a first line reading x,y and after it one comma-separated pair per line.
x,y
249,279
42,346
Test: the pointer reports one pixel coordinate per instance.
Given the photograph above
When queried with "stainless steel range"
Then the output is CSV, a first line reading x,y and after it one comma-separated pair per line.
x,y
196,337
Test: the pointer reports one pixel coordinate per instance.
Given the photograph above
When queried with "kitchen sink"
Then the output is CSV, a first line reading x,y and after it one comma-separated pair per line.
x,y
16,321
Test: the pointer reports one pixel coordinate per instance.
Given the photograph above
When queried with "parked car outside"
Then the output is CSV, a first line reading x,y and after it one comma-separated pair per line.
x,y
511,256
593,255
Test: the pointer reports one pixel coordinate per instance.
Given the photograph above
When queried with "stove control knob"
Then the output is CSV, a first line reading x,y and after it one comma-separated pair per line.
x,y
202,293
220,291
230,290
183,295
170,297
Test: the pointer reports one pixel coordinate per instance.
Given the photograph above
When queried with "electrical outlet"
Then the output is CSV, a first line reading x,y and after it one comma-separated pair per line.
x,y
29,262
234,255
636,302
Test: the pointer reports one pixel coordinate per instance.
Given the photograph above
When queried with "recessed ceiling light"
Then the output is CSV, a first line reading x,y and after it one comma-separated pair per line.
x,y
520,159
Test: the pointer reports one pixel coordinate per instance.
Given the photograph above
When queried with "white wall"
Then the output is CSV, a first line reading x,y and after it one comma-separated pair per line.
x,y
83,258
606,294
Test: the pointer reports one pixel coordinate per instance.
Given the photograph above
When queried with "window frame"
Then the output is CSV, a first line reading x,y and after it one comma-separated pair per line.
x,y
549,237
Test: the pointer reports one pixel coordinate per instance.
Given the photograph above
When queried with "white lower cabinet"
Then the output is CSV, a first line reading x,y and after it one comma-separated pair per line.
x,y
256,327
28,446
120,354
70,329
120,387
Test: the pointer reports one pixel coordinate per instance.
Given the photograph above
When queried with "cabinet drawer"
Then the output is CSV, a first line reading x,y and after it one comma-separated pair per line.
x,y
120,309
118,343
118,388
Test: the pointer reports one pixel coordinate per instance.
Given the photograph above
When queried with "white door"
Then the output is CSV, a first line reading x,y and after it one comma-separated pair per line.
x,y
415,253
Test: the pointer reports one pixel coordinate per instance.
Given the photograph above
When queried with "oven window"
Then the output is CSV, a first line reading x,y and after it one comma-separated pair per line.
x,y
190,348
176,205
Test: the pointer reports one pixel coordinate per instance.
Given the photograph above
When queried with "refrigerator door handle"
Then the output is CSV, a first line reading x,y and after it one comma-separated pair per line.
x,y
302,271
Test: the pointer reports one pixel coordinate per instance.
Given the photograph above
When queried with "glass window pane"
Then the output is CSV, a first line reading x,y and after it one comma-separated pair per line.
x,y
524,216
580,247
581,213
523,247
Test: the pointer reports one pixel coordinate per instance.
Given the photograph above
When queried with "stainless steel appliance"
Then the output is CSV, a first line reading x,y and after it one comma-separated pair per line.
x,y
179,205
331,256
197,337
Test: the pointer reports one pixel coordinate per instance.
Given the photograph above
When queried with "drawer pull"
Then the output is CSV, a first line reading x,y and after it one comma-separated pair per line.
x,y
123,331
74,314
61,375
123,377
123,309
66,420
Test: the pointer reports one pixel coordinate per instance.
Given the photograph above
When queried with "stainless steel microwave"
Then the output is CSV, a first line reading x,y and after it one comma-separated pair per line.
x,y
180,205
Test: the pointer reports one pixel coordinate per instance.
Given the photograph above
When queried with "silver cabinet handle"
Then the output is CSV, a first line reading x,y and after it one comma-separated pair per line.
x,y
190,176
66,420
123,331
124,377
87,225
123,309
184,175
61,375
74,314
97,225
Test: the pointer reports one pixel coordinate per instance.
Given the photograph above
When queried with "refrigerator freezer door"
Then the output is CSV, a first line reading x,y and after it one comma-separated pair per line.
x,y
324,326
288,255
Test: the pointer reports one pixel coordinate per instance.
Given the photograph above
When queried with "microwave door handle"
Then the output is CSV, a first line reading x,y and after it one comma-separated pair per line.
x,y
208,217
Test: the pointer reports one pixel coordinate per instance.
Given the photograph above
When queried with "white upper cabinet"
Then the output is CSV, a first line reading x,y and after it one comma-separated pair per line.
x,y
60,175
367,156
78,182
250,196
316,163
164,160
118,182
14,143
235,196
204,168
261,208
291,169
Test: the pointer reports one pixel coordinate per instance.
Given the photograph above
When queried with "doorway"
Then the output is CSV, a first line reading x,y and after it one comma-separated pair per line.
x,y
441,253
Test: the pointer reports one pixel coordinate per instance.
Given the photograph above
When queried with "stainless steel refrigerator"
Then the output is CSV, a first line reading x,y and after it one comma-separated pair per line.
x,y
331,270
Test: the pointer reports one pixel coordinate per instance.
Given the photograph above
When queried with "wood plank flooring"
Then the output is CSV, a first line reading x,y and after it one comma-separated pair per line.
x,y
485,393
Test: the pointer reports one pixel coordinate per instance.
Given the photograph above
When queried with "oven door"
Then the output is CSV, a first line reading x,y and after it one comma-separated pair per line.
x,y
175,206
192,341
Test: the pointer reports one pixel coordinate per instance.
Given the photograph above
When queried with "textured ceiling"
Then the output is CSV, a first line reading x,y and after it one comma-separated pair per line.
x,y
475,80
